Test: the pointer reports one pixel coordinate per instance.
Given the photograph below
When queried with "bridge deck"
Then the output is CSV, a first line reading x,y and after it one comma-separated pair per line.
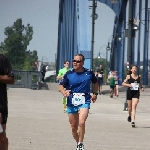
x,y
36,121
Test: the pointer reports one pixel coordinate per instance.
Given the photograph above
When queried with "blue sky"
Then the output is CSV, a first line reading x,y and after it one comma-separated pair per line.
x,y
43,16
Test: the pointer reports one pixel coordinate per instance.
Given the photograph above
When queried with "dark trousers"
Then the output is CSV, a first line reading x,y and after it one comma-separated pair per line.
x,y
43,75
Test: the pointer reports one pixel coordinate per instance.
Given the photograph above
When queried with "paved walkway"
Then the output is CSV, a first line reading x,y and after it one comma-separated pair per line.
x,y
37,122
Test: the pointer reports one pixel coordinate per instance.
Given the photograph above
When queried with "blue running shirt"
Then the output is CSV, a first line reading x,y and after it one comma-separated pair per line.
x,y
78,82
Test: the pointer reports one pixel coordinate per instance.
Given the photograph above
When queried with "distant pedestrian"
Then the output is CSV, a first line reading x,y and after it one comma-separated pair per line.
x,y
43,71
111,80
100,75
6,77
63,70
60,76
134,84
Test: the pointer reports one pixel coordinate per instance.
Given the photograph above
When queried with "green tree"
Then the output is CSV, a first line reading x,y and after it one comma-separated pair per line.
x,y
18,37
30,59
98,61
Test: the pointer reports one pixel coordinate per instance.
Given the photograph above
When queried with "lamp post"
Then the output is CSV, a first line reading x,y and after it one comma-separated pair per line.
x,y
100,50
43,57
110,38
137,23
99,55
94,17
130,34
107,49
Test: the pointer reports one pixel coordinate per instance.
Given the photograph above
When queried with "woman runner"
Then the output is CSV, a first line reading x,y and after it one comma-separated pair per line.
x,y
133,82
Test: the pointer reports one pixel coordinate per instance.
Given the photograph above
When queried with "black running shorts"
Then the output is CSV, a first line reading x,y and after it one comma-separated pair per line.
x,y
4,114
132,94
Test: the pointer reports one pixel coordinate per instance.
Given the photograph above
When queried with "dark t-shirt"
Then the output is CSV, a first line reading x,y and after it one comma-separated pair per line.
x,y
43,71
100,73
5,69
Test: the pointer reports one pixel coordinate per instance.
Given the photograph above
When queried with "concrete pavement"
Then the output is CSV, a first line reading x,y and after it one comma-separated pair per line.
x,y
36,122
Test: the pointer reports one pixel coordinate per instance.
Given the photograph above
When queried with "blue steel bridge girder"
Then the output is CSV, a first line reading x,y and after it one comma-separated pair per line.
x,y
67,32
118,47
73,31
74,27
145,52
120,51
73,16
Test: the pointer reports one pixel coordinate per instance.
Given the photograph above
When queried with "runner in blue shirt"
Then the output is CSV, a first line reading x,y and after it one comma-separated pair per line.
x,y
77,83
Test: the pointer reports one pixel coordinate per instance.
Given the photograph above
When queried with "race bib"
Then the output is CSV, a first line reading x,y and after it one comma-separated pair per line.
x,y
78,99
135,86
116,82
100,75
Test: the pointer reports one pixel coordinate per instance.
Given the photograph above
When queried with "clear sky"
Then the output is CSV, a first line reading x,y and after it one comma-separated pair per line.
x,y
43,16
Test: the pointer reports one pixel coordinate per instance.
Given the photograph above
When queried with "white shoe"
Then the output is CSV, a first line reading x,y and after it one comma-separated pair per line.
x,y
80,147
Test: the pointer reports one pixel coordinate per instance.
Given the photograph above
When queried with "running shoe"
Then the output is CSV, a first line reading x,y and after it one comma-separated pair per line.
x,y
80,147
111,95
129,119
132,124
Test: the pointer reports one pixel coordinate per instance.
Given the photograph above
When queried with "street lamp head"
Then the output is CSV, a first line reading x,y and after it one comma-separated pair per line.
x,y
99,55
119,38
95,16
135,27
108,47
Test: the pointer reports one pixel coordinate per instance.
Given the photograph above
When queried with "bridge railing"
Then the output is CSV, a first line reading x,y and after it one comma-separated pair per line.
x,y
26,79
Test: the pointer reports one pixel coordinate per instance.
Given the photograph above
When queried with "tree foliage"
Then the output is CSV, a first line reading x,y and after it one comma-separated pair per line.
x,y
14,47
29,63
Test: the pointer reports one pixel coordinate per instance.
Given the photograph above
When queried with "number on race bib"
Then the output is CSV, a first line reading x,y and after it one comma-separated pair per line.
x,y
116,82
78,99
135,86
100,75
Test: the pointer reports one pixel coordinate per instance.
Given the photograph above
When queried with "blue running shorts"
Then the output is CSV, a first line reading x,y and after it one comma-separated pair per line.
x,y
75,109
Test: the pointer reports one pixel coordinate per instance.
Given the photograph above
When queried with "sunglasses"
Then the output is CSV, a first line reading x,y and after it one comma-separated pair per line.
x,y
77,61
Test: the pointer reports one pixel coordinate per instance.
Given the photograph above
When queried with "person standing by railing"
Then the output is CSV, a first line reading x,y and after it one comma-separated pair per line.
x,y
43,71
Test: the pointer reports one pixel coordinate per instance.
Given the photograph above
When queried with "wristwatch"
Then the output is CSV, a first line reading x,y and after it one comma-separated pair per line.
x,y
94,93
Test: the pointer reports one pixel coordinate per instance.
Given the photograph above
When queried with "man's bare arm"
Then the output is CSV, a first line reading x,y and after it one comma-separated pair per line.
x,y
61,89
95,87
7,80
